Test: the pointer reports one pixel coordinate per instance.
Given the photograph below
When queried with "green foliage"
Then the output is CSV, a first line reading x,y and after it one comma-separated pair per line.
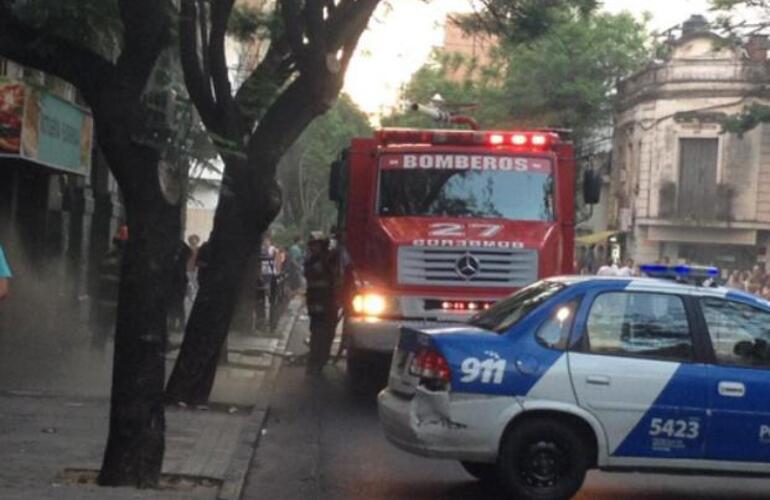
x,y
727,5
755,114
304,170
522,21
565,78
748,119
90,23
458,81
248,23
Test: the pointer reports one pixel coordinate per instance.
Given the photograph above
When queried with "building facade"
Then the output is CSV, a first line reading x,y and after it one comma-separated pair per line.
x,y
59,205
680,187
472,47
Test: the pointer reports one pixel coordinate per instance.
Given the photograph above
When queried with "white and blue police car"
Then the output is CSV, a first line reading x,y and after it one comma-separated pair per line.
x,y
574,373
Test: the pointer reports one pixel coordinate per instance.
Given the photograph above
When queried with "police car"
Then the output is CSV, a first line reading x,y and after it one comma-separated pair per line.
x,y
574,373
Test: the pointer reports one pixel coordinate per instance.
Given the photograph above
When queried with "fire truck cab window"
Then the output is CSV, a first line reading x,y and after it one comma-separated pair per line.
x,y
516,195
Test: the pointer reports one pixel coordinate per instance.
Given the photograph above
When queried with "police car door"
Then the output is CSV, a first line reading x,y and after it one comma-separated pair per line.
x,y
739,389
634,369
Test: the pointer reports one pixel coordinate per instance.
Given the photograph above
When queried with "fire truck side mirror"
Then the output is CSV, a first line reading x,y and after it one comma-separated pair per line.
x,y
335,181
592,187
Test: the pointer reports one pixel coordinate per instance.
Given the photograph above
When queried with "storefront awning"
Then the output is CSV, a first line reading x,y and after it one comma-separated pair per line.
x,y
40,127
595,238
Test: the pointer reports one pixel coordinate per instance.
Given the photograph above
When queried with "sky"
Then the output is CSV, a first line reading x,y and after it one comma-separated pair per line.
x,y
400,38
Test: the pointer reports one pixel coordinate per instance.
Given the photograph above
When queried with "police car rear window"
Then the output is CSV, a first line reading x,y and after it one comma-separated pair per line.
x,y
509,311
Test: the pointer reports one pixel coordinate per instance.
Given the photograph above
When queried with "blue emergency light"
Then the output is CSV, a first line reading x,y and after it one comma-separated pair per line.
x,y
682,273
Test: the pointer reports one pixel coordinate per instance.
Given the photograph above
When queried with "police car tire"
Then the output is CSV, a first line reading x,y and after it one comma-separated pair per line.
x,y
482,471
549,436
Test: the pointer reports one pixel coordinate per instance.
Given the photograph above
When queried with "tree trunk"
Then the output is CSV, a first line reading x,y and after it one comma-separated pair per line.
x,y
135,446
250,199
238,226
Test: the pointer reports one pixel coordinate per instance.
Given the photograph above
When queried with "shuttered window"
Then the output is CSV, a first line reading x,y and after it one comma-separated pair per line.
x,y
696,197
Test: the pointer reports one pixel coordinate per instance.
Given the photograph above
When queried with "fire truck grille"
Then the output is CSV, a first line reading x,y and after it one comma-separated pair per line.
x,y
479,267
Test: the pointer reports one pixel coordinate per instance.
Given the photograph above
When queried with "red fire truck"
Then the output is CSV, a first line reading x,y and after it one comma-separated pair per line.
x,y
437,224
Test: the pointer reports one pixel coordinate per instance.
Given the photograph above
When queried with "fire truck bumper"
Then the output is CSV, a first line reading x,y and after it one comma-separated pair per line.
x,y
366,334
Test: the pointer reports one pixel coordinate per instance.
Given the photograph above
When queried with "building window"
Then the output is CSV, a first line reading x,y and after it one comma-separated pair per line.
x,y
697,178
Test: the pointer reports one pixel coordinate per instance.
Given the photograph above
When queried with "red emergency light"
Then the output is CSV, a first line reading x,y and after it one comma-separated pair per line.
x,y
526,140
458,305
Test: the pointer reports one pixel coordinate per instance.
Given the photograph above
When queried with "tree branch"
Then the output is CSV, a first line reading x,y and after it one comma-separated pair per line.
x,y
283,123
204,41
146,26
349,21
314,21
293,26
264,83
197,85
219,16
54,55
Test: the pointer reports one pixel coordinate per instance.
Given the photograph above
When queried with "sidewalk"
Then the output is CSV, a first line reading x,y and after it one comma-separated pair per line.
x,y
48,441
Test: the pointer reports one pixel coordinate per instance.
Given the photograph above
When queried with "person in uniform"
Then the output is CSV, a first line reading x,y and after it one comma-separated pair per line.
x,y
319,274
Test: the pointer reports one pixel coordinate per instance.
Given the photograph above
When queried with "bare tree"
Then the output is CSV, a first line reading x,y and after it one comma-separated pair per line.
x,y
299,78
114,91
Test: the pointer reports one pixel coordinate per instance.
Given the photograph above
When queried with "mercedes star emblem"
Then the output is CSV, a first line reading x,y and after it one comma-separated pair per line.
x,y
467,266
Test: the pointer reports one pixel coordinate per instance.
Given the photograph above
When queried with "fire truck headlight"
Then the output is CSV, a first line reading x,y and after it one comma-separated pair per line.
x,y
370,304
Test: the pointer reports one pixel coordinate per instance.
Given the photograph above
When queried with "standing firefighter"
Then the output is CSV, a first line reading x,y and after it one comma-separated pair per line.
x,y
319,274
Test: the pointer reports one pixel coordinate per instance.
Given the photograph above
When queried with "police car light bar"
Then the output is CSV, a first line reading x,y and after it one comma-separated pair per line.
x,y
680,272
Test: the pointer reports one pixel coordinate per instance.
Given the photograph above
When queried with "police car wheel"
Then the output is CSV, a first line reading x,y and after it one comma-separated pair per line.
x,y
481,471
542,459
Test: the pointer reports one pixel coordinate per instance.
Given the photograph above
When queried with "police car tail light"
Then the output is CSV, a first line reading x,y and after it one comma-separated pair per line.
x,y
431,367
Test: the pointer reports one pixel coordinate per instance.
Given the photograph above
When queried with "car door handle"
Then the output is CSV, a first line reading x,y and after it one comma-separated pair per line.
x,y
732,389
598,380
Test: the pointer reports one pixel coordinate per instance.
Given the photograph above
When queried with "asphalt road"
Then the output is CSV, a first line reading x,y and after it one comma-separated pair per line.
x,y
322,443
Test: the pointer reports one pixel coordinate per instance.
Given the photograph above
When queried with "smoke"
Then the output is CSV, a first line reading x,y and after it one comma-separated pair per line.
x,y
46,335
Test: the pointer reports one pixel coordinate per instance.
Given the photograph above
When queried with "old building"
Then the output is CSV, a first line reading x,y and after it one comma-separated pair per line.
x,y
681,188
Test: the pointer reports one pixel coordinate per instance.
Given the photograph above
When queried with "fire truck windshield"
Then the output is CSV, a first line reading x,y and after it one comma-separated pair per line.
x,y
478,186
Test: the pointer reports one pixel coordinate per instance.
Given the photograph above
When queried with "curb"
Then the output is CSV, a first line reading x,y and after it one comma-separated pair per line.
x,y
235,476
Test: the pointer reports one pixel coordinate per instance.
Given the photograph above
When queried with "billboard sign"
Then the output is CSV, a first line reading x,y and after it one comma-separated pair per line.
x,y
11,116
40,127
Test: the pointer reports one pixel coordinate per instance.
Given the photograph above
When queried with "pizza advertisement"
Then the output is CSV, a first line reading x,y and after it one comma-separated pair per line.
x,y
11,116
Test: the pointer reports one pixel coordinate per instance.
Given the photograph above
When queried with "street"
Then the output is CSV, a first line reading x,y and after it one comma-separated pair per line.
x,y
322,443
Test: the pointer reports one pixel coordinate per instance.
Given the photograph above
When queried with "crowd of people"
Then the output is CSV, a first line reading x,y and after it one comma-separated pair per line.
x,y
756,281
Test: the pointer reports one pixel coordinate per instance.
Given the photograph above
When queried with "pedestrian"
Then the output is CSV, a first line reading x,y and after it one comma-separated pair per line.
x,y
628,268
608,269
191,269
734,281
589,260
265,283
176,308
294,265
319,275
5,275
